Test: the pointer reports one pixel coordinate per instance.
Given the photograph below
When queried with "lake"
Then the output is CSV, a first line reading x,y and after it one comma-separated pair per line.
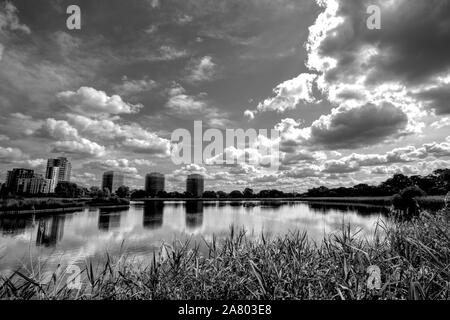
x,y
141,229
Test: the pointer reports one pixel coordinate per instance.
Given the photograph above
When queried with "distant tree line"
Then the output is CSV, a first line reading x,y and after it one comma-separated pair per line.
x,y
437,183
72,190
235,194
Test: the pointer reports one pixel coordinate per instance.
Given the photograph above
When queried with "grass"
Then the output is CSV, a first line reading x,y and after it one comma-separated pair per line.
x,y
413,257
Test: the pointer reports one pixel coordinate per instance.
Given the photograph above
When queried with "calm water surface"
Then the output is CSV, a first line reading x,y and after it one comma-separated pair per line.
x,y
140,230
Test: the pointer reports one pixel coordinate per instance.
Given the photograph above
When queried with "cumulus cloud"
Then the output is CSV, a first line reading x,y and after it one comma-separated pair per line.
x,y
90,101
382,83
348,128
80,147
8,154
131,136
180,102
290,93
202,69
381,162
69,139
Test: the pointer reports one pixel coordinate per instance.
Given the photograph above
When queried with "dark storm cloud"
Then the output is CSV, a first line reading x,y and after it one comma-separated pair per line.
x,y
437,99
350,128
413,42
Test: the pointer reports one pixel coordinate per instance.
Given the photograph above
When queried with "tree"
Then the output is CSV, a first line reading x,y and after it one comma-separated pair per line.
x,y
66,189
222,194
138,194
123,192
93,191
397,183
210,194
236,194
248,193
162,194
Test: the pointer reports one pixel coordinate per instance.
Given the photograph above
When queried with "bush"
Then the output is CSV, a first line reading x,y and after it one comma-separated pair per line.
x,y
412,192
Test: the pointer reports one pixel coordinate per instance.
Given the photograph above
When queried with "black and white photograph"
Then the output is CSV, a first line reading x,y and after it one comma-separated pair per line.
x,y
225,150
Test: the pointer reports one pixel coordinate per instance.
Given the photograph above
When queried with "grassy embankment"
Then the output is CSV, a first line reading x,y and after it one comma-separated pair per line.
x,y
18,206
14,205
413,257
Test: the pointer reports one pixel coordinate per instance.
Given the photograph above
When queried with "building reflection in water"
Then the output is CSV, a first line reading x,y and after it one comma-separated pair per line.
x,y
108,220
194,214
13,226
153,215
50,231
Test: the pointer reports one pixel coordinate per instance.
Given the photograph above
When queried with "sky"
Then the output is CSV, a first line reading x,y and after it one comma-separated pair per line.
x,y
352,104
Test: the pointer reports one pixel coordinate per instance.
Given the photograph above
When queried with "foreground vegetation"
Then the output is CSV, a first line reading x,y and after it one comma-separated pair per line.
x,y
413,258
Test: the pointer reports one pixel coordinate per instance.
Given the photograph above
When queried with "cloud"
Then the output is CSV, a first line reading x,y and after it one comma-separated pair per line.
x,y
69,140
121,165
180,102
90,101
130,136
167,53
345,128
9,19
129,86
8,154
194,107
79,147
289,94
441,123
382,82
410,154
202,69
349,128
437,98
182,173
154,3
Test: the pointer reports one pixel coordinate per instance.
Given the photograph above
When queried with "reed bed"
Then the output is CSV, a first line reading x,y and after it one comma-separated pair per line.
x,y
413,258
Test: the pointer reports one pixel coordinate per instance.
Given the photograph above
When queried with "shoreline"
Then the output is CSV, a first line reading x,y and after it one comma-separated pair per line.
x,y
363,201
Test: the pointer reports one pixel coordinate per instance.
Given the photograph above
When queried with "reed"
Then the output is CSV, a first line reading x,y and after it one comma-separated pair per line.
x,y
413,257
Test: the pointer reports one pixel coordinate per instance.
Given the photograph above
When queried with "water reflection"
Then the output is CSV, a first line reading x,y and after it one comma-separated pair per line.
x,y
346,207
153,215
146,224
194,215
50,231
108,220
14,225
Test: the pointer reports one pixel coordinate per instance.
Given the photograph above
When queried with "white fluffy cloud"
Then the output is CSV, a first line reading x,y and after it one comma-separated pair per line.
x,y
202,69
290,93
81,146
132,136
69,139
94,102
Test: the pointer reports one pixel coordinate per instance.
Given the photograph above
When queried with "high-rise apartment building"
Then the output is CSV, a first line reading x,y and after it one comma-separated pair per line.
x,y
154,183
52,174
15,176
112,180
65,169
195,185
